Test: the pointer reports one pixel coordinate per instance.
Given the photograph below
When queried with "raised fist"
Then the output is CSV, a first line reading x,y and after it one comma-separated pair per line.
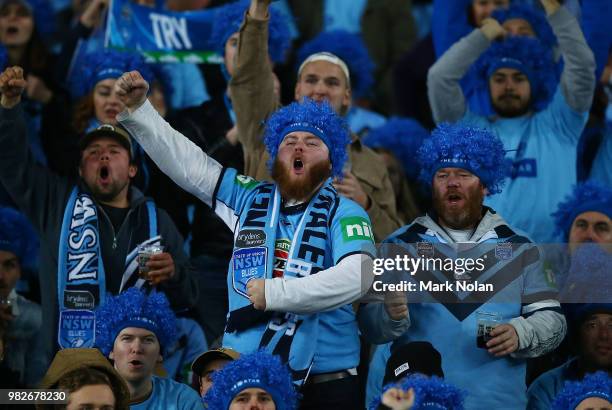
x,y
12,85
132,90
492,29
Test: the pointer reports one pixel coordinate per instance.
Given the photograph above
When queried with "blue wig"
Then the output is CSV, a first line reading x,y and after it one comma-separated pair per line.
x,y
105,64
319,119
403,137
134,308
254,370
429,392
228,19
535,18
17,236
474,149
596,384
587,196
525,54
351,49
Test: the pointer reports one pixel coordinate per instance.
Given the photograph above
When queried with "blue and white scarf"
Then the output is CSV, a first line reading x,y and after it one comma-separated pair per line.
x,y
81,276
291,336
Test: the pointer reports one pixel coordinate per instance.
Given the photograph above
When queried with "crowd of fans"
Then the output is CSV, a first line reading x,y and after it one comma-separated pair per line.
x,y
185,236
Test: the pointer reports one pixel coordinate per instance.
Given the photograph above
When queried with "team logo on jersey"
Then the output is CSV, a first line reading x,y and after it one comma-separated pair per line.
x,y
248,238
245,181
356,228
281,254
77,328
249,263
503,251
425,249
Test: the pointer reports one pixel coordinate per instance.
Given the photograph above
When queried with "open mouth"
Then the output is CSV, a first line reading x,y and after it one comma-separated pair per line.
x,y
104,173
298,164
111,113
135,363
454,199
12,30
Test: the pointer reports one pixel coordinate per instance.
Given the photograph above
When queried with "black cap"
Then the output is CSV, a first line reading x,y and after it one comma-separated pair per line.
x,y
222,353
413,357
108,130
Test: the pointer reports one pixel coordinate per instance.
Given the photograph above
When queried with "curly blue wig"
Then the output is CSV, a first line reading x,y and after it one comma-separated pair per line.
x,y
18,236
228,19
535,18
105,64
42,11
319,119
351,49
429,392
587,196
597,384
403,137
134,308
473,149
525,54
255,370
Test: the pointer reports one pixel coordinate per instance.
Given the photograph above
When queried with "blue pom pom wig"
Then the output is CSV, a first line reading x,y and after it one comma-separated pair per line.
x,y
103,65
134,308
597,384
527,55
254,370
403,137
228,19
319,119
588,196
474,149
351,49
535,18
429,393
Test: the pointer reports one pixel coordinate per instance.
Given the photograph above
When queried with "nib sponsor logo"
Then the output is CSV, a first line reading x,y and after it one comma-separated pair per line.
x,y
356,228
281,254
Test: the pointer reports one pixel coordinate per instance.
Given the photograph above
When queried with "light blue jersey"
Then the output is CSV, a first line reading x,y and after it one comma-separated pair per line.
x,y
545,388
452,327
170,395
543,148
376,372
273,240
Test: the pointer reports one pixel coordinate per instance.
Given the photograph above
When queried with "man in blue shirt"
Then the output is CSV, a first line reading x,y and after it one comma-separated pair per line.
x,y
538,122
133,330
462,165
296,264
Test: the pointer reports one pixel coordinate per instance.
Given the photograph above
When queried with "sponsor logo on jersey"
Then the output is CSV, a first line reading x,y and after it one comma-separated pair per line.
x,y
356,228
245,181
281,253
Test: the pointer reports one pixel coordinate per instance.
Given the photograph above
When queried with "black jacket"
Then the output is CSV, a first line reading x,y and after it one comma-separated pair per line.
x,y
42,196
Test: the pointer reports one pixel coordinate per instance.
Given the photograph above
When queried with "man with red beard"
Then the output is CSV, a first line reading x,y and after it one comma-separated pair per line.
x,y
492,315
90,229
305,316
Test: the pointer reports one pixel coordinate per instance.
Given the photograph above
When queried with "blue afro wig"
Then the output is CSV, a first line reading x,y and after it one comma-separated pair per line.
x,y
18,236
525,54
535,18
596,384
43,13
228,19
403,137
429,392
134,308
254,370
105,64
319,119
473,149
588,196
351,49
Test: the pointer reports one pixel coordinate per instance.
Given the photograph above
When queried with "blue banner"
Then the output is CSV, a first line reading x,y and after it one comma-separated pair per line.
x,y
161,35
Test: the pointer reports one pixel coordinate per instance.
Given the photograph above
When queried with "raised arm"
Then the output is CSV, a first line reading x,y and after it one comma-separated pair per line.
x,y
578,77
445,95
252,84
179,158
